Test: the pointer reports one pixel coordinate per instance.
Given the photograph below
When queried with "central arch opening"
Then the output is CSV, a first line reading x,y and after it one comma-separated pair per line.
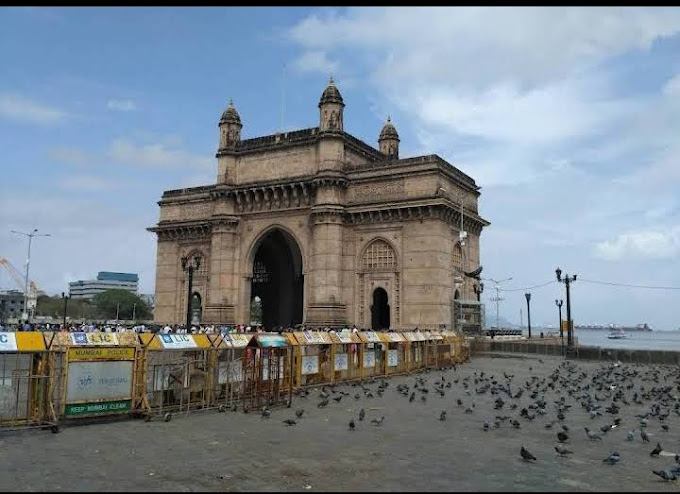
x,y
380,310
277,280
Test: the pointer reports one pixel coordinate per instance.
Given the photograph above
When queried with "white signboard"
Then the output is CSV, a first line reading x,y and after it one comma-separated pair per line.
x,y
161,378
372,336
419,336
369,359
312,337
97,338
344,336
177,341
90,381
341,361
410,336
392,358
8,342
310,364
396,337
236,371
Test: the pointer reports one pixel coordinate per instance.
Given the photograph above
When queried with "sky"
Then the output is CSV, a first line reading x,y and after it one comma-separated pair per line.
x,y
568,118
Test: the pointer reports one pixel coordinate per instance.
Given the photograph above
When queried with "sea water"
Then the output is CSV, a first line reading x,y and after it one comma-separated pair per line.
x,y
636,340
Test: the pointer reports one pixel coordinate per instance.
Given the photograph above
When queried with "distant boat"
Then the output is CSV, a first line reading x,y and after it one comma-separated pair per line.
x,y
617,334
614,327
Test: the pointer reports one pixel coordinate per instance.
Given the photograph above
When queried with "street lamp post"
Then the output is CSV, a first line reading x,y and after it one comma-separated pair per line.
x,y
190,268
30,236
558,303
498,297
65,297
134,307
528,296
567,280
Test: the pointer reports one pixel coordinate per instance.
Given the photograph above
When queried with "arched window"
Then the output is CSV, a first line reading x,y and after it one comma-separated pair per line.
x,y
379,255
457,258
202,270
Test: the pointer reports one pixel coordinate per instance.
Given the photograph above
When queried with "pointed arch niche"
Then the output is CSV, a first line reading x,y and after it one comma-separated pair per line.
x,y
378,269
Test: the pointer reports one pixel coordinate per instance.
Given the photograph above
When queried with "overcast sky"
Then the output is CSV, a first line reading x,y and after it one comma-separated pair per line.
x,y
569,119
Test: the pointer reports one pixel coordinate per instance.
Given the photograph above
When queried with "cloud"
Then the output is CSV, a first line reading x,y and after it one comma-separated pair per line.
x,y
316,61
88,183
124,105
653,244
127,152
69,156
19,109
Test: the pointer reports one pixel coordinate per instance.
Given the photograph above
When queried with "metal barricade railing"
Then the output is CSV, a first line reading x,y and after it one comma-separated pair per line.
x,y
227,369
178,374
373,355
416,350
267,372
346,352
25,383
396,361
313,358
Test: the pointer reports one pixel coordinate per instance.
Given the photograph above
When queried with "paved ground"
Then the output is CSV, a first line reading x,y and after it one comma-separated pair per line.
x,y
412,450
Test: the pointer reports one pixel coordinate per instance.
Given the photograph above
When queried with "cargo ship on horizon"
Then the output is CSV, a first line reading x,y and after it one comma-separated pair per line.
x,y
612,327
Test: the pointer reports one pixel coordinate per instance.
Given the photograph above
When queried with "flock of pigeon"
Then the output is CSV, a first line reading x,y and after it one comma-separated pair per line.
x,y
603,393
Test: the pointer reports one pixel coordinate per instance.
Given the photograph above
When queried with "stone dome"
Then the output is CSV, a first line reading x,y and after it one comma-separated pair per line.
x,y
331,94
388,131
230,115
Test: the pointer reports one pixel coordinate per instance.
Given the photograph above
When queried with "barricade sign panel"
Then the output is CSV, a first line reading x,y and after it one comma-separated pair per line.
x,y
372,336
90,353
344,336
419,336
313,337
341,361
93,381
8,342
392,358
310,364
178,341
239,340
369,359
410,336
395,337
107,339
101,407
272,340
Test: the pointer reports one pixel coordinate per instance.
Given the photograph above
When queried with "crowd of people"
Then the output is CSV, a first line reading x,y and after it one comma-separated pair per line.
x,y
92,327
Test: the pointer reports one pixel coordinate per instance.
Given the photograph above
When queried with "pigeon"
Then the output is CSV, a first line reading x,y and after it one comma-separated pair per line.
x,y
644,436
631,435
351,425
289,422
592,435
486,426
665,474
655,452
515,424
378,421
323,403
562,437
442,416
562,451
526,454
612,459
362,414
298,413
266,413
413,397
664,427
337,399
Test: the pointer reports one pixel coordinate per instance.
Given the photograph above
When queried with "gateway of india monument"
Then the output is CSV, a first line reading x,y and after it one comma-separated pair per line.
x,y
326,230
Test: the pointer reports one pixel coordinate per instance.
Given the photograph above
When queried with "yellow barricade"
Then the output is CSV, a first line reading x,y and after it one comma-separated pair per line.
x,y
346,351
26,385
178,375
397,349
312,358
372,358
95,373
416,350
267,371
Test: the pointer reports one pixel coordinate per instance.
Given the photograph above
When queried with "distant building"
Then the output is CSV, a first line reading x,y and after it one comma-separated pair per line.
x,y
11,305
105,281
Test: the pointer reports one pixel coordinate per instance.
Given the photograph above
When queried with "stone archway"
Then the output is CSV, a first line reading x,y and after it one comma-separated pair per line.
x,y
277,279
380,310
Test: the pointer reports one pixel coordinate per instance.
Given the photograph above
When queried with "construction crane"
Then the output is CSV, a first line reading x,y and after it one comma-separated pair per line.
x,y
18,279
